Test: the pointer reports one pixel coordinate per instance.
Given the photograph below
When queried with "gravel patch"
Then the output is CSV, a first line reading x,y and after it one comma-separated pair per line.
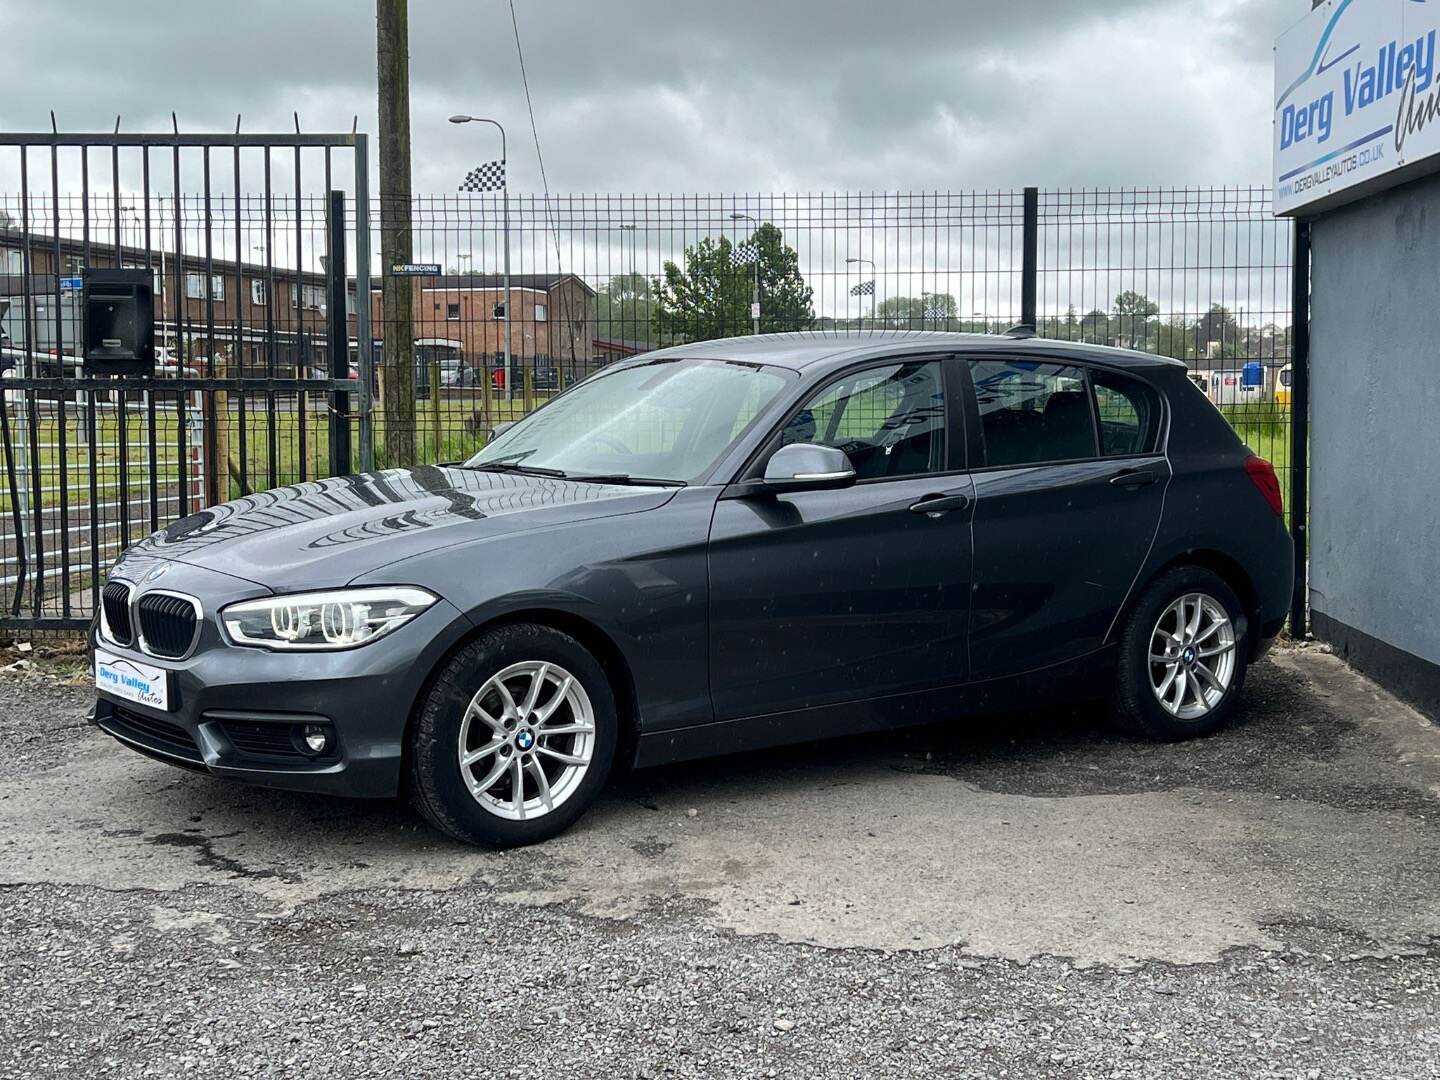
x,y
945,904
383,983
44,709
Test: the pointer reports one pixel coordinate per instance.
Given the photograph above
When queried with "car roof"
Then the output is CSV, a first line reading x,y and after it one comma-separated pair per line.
x,y
823,350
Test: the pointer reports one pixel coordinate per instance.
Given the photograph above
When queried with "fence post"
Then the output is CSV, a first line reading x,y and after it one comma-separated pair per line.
x,y
435,410
528,398
364,336
1300,426
1030,256
485,394
218,468
337,334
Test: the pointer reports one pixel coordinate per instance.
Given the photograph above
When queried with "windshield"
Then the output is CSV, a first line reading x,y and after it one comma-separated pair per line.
x,y
668,419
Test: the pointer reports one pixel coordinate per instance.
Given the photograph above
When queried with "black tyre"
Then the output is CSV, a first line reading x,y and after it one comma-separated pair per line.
x,y
515,738
1183,653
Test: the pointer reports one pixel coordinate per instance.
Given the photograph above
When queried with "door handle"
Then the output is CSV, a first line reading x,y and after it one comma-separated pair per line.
x,y
936,505
1133,478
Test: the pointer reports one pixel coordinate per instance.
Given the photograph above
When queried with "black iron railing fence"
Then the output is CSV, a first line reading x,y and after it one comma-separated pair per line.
x,y
251,261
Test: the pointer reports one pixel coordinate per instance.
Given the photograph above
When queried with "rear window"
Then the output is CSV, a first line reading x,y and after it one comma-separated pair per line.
x,y
1033,412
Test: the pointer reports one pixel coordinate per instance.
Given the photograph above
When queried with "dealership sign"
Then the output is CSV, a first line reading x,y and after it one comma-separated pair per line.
x,y
1357,100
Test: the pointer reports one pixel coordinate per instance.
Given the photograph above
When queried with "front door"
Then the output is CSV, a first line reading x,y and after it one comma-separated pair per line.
x,y
824,597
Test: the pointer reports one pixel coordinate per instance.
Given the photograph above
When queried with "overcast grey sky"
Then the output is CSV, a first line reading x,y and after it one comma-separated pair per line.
x,y
742,95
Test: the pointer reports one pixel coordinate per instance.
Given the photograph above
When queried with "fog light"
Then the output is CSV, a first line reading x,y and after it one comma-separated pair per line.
x,y
316,738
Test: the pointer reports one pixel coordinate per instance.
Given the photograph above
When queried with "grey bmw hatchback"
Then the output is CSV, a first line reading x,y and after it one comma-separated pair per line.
x,y
716,547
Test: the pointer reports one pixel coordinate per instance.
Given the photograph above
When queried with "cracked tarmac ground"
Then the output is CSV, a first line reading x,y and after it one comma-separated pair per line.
x,y
1022,896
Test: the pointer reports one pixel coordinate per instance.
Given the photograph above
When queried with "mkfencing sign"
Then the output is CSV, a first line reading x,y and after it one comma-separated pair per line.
x,y
1357,100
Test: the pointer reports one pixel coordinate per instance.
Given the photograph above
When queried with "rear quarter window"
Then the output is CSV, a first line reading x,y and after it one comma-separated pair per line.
x,y
1129,412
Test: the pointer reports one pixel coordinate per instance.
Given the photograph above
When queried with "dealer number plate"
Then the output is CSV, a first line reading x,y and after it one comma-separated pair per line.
x,y
121,677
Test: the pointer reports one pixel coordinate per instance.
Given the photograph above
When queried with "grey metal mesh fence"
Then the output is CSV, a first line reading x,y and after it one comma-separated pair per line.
x,y
243,398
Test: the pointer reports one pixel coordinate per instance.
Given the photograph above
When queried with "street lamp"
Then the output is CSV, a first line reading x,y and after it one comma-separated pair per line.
x,y
754,276
139,240
986,320
461,118
631,227
871,264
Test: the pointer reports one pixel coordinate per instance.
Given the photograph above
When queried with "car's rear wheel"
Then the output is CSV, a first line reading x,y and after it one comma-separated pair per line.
x,y
1182,656
515,738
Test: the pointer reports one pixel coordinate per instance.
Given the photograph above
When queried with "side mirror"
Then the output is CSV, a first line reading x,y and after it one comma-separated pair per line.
x,y
807,467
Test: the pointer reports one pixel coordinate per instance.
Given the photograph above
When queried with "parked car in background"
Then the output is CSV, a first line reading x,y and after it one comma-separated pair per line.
x,y
717,547
1228,388
546,376
1282,385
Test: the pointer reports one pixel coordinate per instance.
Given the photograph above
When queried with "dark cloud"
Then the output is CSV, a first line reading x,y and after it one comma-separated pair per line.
x,y
752,95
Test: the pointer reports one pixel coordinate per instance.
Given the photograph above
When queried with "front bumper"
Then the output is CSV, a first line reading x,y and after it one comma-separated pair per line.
x,y
237,712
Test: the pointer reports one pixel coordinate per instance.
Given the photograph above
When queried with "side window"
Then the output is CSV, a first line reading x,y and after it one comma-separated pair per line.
x,y
889,420
1032,412
1129,413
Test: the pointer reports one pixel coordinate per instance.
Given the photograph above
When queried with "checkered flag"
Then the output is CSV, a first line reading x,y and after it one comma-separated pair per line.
x,y
487,177
745,254
865,288
935,313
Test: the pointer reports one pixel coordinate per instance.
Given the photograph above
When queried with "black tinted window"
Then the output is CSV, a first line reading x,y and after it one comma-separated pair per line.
x,y
889,420
1129,413
1032,412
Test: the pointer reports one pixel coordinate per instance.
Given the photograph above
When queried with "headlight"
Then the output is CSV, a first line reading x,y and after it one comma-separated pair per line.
x,y
323,620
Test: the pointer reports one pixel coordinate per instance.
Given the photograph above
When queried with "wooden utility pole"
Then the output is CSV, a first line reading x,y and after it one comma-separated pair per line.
x,y
397,366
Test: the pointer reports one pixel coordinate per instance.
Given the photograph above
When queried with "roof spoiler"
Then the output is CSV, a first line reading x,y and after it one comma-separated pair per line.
x,y
1021,330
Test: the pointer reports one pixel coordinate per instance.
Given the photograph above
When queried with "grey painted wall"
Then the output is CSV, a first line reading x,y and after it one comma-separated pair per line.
x,y
1375,405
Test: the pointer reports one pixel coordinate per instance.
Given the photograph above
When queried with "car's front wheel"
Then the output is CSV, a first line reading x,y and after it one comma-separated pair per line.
x,y
1182,656
515,738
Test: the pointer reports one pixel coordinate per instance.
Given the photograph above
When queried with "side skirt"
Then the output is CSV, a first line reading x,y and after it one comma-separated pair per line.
x,y
1086,677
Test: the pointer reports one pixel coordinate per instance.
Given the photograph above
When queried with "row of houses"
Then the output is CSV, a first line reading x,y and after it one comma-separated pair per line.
x,y
273,320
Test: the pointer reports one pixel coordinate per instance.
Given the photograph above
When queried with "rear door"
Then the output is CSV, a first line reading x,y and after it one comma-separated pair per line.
x,y
1067,503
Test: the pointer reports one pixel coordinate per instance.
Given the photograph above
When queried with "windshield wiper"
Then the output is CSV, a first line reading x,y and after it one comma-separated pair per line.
x,y
516,467
561,474
626,478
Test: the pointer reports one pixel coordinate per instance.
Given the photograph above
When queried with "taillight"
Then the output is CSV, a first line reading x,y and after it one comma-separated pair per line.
x,y
1262,475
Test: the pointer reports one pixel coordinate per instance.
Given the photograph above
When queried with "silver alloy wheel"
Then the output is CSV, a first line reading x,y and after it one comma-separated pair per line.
x,y
1192,656
526,740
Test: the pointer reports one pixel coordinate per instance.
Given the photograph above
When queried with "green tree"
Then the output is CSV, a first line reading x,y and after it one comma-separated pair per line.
x,y
1059,327
1134,314
1216,332
928,311
1095,327
1175,337
710,298
624,309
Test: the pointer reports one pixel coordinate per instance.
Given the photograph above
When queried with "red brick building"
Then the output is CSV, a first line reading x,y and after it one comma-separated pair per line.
x,y
553,321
